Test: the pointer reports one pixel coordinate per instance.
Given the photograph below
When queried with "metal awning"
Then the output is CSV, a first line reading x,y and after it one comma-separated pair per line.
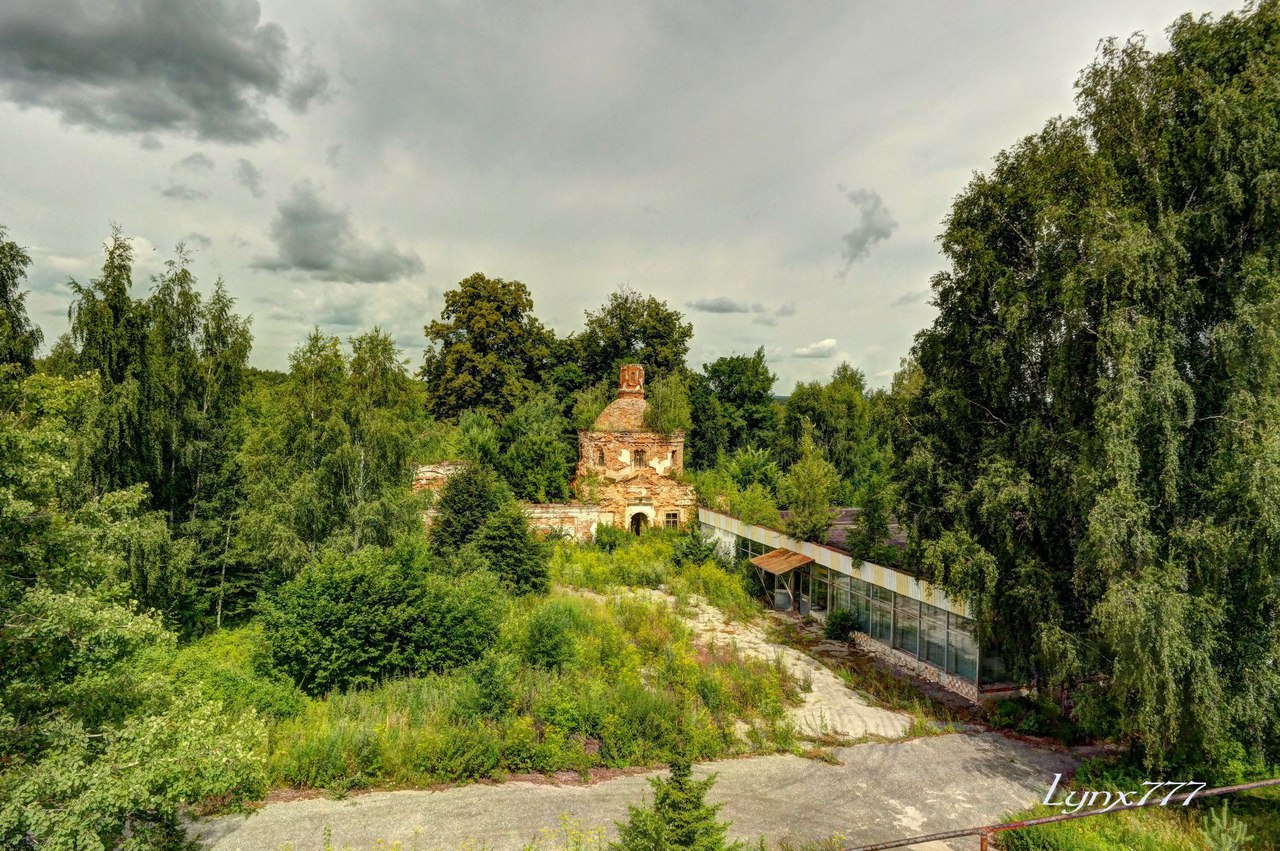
x,y
781,561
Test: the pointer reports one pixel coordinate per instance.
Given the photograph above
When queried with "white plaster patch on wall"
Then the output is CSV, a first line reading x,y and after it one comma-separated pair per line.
x,y
624,456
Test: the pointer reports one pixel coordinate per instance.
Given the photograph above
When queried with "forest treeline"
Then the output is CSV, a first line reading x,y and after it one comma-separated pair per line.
x,y
1084,442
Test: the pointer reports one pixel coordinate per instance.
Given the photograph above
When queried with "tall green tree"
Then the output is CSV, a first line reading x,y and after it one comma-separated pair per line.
x,y
844,425
632,328
1099,393
109,337
96,752
537,456
742,385
326,460
19,338
487,349
468,500
668,410
809,488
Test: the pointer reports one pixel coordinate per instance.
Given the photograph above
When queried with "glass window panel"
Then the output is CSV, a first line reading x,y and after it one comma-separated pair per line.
x,y
962,650
858,586
906,632
933,635
841,599
818,596
881,621
862,614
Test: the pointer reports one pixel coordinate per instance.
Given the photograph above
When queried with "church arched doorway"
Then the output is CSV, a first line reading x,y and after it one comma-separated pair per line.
x,y
639,522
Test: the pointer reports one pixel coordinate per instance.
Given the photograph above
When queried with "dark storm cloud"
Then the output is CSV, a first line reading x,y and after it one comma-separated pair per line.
x,y
770,318
318,240
196,162
312,85
183,192
874,225
913,297
719,304
203,69
249,176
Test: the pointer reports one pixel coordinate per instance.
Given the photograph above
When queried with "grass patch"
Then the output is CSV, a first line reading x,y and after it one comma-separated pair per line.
x,y
573,684
1152,828
653,561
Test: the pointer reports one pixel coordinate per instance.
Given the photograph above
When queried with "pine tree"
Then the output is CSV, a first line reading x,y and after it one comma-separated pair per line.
x,y
679,818
519,559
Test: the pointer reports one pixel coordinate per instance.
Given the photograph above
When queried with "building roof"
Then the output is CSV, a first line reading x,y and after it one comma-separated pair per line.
x,y
781,561
847,525
623,414
626,413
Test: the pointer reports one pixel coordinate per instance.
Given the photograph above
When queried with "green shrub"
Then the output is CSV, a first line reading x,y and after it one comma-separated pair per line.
x,y
468,499
458,619
233,666
358,619
551,632
491,691
611,538
718,587
695,548
1033,717
467,752
840,625
519,559
678,818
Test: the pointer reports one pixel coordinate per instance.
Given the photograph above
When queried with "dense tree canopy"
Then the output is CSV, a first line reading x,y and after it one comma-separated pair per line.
x,y
631,328
1095,428
487,349
326,459
744,409
19,338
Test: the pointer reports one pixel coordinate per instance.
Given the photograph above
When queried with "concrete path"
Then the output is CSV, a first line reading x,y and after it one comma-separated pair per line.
x,y
880,792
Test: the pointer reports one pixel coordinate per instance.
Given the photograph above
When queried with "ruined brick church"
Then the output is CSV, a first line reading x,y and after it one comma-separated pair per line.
x,y
627,474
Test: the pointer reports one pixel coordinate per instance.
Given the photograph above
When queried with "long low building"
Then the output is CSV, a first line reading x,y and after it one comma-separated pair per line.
x,y
904,620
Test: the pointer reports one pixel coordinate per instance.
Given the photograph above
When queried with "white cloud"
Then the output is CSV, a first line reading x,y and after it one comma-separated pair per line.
x,y
821,349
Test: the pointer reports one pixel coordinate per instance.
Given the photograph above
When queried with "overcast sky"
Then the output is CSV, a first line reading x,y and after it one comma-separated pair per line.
x,y
779,172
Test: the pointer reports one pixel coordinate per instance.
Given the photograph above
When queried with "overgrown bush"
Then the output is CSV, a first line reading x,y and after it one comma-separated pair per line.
x,y
678,818
233,666
353,620
551,632
468,499
610,538
693,547
840,625
518,558
626,688
717,586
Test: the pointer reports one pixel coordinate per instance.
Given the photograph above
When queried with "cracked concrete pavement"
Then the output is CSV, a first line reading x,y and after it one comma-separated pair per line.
x,y
879,792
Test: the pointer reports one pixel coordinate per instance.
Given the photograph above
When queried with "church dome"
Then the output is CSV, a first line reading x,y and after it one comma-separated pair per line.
x,y
622,415
626,413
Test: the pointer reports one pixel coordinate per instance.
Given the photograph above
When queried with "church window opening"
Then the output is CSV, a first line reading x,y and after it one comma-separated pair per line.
x,y
639,458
